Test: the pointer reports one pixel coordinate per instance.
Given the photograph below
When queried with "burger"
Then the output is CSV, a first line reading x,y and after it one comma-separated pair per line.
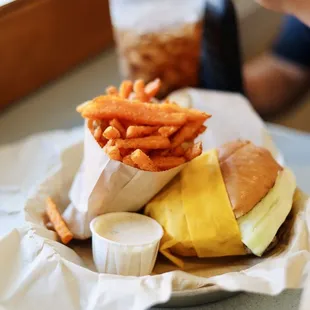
x,y
229,201
260,192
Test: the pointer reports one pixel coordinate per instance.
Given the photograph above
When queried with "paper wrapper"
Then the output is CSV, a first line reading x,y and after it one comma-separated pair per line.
x,y
103,185
36,270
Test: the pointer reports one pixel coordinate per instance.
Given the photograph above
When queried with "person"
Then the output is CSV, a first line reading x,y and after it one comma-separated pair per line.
x,y
281,77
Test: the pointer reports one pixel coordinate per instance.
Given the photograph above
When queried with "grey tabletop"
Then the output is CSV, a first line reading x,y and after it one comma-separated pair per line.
x,y
53,107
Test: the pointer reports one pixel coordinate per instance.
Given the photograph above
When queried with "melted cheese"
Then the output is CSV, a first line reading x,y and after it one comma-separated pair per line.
x,y
211,222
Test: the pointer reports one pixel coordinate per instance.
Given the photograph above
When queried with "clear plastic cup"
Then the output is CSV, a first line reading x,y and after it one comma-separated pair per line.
x,y
159,39
125,243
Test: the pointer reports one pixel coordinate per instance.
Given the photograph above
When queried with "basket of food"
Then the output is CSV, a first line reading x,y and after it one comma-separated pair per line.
x,y
174,210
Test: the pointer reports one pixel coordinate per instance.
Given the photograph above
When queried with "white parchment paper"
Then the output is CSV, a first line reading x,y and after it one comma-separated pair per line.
x,y
103,185
36,271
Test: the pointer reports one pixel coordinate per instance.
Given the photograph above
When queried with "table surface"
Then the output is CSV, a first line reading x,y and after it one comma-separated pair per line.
x,y
53,107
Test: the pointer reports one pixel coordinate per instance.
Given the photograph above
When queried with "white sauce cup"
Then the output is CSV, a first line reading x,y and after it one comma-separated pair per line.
x,y
125,243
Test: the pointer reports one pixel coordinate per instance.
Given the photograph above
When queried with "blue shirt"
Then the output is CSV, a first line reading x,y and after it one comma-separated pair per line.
x,y
293,43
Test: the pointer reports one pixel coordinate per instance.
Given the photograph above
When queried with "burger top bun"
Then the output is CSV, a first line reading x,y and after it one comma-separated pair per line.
x,y
249,172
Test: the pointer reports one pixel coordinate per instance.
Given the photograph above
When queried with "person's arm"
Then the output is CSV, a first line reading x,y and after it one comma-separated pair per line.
x,y
280,77
298,8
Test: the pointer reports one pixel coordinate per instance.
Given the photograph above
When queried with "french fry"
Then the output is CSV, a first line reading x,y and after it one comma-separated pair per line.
x,y
112,91
152,88
178,151
125,89
110,142
167,131
143,161
126,124
193,151
56,219
80,107
139,131
114,153
111,133
104,124
187,144
98,133
150,142
146,151
186,133
118,125
125,152
159,152
128,161
96,123
192,115
90,125
133,128
138,113
103,142
202,129
166,163
138,88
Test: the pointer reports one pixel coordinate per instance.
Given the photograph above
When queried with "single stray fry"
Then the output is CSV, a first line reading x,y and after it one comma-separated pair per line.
x,y
139,131
143,161
150,142
56,219
111,133
193,151
166,163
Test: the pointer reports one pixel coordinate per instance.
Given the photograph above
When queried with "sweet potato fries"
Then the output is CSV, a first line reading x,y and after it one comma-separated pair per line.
x,y
133,129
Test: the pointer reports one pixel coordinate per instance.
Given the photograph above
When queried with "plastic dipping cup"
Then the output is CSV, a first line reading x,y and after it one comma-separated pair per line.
x,y
125,243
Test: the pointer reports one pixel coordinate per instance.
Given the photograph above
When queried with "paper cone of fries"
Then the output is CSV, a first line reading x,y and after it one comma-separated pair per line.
x,y
104,185
132,149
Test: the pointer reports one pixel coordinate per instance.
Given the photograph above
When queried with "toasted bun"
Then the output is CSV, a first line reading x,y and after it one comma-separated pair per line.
x,y
249,172
228,149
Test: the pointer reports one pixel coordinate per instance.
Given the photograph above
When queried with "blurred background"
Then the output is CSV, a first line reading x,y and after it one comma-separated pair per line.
x,y
56,54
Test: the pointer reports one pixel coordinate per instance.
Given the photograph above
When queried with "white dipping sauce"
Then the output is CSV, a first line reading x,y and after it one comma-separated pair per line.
x,y
125,243
128,228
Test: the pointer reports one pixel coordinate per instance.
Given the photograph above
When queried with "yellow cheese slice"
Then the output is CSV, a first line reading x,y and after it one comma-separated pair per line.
x,y
166,208
211,223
